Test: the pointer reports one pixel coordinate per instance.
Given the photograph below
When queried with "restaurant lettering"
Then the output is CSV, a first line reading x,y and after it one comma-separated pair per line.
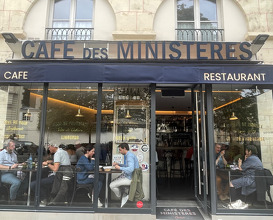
x,y
136,50
234,77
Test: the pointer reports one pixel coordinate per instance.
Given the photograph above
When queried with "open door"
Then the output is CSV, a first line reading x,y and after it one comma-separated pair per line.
x,y
200,146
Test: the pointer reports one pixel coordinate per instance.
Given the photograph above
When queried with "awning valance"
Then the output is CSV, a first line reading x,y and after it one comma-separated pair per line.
x,y
136,73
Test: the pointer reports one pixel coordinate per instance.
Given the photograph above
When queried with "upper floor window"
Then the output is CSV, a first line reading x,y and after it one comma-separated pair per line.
x,y
71,19
197,20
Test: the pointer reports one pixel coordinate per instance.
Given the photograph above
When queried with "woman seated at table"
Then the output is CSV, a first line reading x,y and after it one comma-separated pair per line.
x,y
246,184
86,163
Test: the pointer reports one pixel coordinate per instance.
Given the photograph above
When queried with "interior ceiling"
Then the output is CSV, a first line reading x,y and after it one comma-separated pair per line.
x,y
173,103
183,103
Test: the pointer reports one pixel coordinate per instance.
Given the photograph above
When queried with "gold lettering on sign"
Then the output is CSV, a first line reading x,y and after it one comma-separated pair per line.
x,y
70,137
252,77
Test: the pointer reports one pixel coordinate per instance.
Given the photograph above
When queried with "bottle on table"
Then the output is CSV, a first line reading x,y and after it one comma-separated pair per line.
x,y
29,161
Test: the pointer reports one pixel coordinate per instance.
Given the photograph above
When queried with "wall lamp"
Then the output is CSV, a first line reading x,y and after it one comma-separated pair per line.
x,y
9,38
258,42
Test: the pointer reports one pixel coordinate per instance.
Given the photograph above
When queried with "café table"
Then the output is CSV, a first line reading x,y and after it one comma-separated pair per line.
x,y
25,170
30,172
229,174
107,172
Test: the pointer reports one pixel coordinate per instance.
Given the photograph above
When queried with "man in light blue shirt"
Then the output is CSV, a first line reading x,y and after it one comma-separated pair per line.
x,y
8,162
130,164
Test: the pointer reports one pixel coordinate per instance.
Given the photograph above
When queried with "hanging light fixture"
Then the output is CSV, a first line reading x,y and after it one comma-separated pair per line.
x,y
79,115
28,114
233,117
128,116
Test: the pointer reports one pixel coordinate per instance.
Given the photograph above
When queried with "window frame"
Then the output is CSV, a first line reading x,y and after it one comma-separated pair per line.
x,y
72,15
197,20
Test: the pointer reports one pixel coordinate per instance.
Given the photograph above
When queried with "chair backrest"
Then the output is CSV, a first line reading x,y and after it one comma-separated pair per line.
x,y
268,177
260,184
75,171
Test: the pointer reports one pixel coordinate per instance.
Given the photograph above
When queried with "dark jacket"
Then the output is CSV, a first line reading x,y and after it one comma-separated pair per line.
x,y
247,181
136,191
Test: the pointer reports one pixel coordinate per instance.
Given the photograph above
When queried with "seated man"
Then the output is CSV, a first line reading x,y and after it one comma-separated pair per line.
x,y
130,164
45,186
246,184
64,173
46,182
8,162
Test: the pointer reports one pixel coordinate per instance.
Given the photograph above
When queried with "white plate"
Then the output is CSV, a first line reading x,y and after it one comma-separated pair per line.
x,y
108,167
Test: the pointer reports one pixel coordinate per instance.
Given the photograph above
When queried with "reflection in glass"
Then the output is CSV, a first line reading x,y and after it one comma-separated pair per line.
x,y
185,10
66,129
84,9
208,10
20,115
62,9
117,127
253,109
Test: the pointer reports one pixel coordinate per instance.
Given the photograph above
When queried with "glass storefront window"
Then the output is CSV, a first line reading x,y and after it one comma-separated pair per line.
x,y
242,131
20,116
70,136
125,119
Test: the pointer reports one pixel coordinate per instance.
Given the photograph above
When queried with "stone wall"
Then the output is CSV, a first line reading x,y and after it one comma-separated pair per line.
x,y
135,20
12,16
259,14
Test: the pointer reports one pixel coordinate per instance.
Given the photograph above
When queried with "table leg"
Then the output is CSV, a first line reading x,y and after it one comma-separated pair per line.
x,y
29,182
229,186
106,190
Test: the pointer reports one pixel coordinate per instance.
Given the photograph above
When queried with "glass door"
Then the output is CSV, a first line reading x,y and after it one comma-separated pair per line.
x,y
200,146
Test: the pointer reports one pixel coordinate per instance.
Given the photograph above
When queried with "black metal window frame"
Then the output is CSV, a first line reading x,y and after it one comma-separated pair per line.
x,y
214,35
69,209
69,33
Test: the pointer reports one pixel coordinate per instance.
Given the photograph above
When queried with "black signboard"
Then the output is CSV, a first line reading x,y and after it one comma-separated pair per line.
x,y
186,213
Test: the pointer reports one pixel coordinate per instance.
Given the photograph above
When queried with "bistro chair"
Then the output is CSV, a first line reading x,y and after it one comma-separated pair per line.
x,y
77,186
188,167
161,168
176,165
4,188
269,182
262,180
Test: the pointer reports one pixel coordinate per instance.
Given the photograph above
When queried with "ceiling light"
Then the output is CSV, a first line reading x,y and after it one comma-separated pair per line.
x,y
79,115
28,114
233,117
128,116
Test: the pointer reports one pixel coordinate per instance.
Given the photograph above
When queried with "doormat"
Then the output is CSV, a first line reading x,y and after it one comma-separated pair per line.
x,y
185,213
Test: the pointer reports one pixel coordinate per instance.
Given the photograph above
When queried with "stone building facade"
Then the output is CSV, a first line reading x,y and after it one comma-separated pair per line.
x,y
134,20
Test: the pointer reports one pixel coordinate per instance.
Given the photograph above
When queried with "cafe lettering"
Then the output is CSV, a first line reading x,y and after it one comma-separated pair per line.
x,y
136,50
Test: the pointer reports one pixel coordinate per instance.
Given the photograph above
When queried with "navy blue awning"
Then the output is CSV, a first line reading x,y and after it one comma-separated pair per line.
x,y
136,73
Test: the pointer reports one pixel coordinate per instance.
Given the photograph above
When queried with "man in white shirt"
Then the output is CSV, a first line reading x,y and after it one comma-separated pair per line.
x,y
64,173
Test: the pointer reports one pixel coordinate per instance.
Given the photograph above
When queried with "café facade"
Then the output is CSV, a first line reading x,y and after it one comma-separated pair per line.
x,y
162,97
